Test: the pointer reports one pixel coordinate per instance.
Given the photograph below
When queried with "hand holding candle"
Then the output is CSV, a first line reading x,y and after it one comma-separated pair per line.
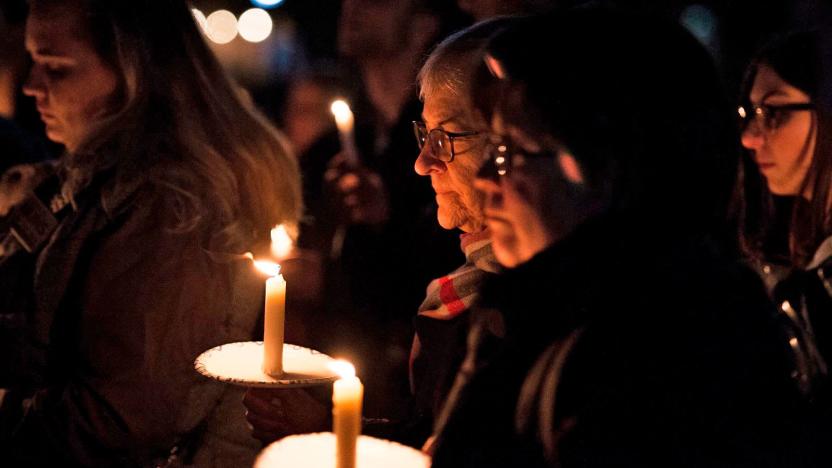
x,y
347,398
345,122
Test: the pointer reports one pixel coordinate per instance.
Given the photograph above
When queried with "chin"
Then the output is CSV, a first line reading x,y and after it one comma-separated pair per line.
x,y
53,135
448,220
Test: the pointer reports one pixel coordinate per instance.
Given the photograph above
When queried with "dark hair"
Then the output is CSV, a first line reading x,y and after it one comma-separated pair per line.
x,y
182,120
794,56
636,100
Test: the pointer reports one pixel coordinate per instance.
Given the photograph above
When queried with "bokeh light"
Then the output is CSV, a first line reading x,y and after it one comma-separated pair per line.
x,y
267,3
255,25
222,26
200,19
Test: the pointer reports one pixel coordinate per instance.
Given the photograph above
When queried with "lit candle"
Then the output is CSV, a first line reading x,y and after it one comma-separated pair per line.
x,y
345,121
347,397
274,318
282,244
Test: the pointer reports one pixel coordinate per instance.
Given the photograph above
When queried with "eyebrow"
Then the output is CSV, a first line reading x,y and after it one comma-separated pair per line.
x,y
53,57
773,93
452,118
45,52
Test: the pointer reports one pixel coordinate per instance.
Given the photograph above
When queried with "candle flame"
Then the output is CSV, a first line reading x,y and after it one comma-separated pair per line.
x,y
281,242
343,368
341,110
269,268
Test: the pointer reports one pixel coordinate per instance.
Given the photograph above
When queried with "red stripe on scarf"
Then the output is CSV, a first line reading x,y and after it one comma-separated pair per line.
x,y
448,296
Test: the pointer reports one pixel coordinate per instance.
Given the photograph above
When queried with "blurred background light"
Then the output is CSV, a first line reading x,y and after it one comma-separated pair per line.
x,y
222,26
255,25
700,21
201,21
266,3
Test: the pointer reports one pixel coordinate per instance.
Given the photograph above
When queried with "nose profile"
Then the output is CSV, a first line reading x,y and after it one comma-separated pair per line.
x,y
426,164
752,136
33,86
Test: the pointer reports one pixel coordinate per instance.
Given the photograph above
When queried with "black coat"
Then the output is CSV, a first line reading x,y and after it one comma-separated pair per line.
x,y
669,354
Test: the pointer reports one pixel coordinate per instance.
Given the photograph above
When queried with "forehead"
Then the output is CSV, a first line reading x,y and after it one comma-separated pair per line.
x,y
767,83
55,28
442,107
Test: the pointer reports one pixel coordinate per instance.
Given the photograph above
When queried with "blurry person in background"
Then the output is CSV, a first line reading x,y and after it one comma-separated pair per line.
x,y
784,195
634,335
306,115
307,120
124,261
388,245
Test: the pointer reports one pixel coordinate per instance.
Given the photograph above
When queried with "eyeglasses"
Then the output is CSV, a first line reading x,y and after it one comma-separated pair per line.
x,y
770,116
441,142
502,156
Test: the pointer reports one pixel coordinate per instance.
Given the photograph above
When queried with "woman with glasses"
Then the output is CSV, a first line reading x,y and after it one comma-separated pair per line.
x,y
633,336
784,195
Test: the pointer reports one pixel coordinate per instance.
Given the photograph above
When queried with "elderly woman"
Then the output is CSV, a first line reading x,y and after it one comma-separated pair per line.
x,y
452,147
122,262
633,336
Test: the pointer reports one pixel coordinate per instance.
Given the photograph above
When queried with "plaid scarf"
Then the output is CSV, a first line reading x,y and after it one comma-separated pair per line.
x,y
454,293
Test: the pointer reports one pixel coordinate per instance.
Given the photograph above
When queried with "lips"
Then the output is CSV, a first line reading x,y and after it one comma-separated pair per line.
x,y
45,115
765,166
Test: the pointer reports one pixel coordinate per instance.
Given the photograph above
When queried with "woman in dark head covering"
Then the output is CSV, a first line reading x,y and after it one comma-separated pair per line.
x,y
633,336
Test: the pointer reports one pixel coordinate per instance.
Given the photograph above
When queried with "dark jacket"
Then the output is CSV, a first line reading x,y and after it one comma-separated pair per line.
x,y
627,353
804,296
110,313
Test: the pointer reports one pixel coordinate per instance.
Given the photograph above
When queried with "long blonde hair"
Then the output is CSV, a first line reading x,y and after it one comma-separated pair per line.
x,y
182,123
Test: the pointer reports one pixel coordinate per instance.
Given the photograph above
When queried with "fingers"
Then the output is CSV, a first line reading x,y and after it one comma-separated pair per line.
x,y
261,401
359,194
277,413
265,415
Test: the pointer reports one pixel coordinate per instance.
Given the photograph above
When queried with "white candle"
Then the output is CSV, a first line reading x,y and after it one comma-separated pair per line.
x,y
273,326
347,398
273,322
345,122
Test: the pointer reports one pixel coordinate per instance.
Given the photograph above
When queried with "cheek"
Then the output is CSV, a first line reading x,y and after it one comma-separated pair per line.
x,y
530,197
101,96
462,178
793,149
83,97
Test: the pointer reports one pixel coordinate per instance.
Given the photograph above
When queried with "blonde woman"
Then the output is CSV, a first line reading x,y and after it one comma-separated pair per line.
x,y
131,266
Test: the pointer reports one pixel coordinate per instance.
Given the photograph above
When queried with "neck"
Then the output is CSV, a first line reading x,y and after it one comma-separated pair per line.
x,y
389,84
